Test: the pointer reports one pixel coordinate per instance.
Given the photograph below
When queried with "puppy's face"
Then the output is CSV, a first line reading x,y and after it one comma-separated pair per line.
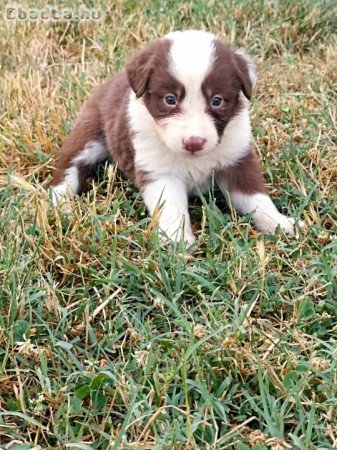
x,y
190,83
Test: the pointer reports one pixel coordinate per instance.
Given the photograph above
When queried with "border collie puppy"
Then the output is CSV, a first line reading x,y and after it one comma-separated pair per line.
x,y
176,115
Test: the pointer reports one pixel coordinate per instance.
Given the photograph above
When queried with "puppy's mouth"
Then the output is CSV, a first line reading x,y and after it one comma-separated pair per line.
x,y
194,153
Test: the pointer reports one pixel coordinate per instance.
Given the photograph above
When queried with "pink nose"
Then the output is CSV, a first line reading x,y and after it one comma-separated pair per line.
x,y
194,143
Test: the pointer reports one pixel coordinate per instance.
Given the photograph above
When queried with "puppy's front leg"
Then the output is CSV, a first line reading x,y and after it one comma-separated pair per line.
x,y
245,185
170,195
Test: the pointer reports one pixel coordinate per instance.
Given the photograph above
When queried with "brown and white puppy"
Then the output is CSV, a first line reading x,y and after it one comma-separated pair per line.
x,y
178,113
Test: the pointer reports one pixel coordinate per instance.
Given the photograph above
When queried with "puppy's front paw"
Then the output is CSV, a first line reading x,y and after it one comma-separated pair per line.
x,y
176,236
288,224
268,222
189,238
176,230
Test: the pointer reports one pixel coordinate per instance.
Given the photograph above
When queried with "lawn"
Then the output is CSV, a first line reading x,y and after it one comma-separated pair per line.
x,y
110,340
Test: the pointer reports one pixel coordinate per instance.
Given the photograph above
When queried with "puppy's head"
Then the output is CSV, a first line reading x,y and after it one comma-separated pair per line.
x,y
190,82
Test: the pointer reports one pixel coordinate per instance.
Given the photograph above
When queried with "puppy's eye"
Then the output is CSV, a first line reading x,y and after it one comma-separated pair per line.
x,y
170,100
217,101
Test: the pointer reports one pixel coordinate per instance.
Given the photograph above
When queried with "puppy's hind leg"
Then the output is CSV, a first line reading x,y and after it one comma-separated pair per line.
x,y
82,150
246,187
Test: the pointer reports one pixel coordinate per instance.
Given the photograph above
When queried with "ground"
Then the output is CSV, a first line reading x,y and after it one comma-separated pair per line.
x,y
109,340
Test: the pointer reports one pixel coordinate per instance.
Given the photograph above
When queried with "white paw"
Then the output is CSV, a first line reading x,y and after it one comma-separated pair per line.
x,y
177,236
189,238
62,198
269,221
176,232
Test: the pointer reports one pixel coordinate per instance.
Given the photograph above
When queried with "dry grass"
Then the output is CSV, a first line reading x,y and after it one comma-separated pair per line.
x,y
108,340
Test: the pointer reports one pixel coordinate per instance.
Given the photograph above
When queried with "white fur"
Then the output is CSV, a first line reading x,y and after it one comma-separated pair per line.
x,y
153,155
67,187
169,194
191,55
265,215
92,153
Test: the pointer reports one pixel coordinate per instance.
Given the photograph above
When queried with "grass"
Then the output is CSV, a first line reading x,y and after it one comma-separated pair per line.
x,y
109,340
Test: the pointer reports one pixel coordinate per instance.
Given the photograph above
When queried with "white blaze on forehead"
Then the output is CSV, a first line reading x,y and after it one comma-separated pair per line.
x,y
191,56
190,60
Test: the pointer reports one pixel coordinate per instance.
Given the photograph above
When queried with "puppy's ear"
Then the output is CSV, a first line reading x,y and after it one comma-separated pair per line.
x,y
246,71
139,68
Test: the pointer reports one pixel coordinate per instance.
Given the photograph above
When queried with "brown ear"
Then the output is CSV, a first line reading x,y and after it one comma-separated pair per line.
x,y
138,70
246,72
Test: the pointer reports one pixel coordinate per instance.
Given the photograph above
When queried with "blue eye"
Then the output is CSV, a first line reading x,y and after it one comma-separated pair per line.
x,y
217,101
170,100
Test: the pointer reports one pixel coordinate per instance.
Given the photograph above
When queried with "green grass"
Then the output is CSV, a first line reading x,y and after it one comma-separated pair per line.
x,y
109,340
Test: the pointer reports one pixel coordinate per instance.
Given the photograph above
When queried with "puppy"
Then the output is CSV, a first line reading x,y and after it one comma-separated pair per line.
x,y
178,114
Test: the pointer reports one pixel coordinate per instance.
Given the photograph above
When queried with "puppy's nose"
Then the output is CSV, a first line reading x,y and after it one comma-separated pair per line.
x,y
194,143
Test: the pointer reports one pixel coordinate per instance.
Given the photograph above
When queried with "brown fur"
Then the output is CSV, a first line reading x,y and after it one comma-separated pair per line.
x,y
224,79
117,134
149,75
103,117
245,176
142,178
86,128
